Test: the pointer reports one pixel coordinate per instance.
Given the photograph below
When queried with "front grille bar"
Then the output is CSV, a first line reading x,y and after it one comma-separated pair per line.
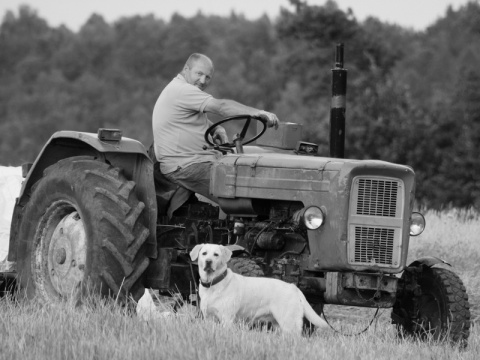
x,y
377,197
376,221
373,245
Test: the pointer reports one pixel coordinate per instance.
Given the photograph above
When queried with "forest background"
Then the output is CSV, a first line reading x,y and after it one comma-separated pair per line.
x,y
413,97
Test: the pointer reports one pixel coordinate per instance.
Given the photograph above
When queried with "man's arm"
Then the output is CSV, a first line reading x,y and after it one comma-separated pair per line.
x,y
226,108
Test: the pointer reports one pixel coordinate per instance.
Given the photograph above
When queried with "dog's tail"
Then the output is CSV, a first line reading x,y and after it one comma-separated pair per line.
x,y
310,314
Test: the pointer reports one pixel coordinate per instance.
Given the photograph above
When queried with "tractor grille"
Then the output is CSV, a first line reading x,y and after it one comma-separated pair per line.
x,y
376,221
373,245
377,197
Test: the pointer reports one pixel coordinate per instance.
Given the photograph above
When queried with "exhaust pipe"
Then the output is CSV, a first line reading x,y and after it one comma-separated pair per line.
x,y
337,107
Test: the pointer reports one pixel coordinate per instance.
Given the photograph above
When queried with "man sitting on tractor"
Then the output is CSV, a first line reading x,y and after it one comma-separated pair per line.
x,y
180,121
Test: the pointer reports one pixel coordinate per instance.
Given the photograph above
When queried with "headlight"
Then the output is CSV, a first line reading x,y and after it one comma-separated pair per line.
x,y
312,217
417,224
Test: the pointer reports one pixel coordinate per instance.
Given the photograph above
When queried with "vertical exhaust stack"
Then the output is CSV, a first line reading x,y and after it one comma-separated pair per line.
x,y
337,108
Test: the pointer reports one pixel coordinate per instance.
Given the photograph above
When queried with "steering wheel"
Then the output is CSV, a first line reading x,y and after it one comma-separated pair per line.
x,y
238,141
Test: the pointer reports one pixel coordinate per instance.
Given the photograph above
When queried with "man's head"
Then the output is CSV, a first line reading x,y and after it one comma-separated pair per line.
x,y
198,70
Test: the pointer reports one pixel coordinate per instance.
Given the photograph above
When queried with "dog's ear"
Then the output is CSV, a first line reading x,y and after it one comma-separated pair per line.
x,y
227,254
195,251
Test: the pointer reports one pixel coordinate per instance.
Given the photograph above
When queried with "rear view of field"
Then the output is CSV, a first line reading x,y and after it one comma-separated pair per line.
x,y
101,330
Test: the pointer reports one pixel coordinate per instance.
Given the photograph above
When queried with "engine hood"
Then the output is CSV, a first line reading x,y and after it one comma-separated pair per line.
x,y
284,176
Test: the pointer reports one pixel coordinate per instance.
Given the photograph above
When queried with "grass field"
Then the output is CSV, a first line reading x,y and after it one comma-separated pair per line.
x,y
101,330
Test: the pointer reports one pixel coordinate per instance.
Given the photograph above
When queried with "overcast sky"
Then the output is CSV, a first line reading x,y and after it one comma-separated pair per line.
x,y
416,14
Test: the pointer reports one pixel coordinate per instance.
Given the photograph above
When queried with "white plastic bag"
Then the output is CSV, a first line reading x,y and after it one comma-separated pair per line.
x,y
10,184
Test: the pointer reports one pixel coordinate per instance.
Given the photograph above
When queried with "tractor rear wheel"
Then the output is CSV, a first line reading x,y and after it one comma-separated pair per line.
x,y
433,305
83,230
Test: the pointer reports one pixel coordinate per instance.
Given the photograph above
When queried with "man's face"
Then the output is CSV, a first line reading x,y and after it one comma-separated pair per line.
x,y
199,74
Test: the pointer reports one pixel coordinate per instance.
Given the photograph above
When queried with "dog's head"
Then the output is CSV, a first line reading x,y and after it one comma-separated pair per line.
x,y
212,260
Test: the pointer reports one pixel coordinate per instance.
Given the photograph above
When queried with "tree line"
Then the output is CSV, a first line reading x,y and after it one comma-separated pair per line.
x,y
413,97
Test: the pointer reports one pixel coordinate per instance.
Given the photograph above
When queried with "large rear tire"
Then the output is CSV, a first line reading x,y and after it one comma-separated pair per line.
x,y
433,305
83,230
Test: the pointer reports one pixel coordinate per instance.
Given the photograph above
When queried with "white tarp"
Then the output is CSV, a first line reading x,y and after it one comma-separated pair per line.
x,y
10,184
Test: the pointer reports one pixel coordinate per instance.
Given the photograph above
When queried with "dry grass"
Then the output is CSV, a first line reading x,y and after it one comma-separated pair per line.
x,y
102,330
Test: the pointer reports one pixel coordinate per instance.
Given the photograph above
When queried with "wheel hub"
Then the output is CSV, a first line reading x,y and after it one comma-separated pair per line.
x,y
67,253
428,317
60,256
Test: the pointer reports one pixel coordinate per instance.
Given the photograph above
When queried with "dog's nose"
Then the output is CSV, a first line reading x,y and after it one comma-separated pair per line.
x,y
208,262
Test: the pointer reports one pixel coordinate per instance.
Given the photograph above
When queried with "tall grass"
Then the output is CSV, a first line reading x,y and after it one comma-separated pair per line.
x,y
102,330
454,236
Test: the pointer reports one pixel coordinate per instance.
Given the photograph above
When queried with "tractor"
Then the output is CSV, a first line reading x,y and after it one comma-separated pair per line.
x,y
91,214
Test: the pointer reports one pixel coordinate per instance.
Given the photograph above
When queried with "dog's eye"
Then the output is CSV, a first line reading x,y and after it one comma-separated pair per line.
x,y
204,253
215,254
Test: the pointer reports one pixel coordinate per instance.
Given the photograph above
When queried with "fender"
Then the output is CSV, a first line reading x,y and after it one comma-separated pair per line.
x,y
237,250
428,261
128,154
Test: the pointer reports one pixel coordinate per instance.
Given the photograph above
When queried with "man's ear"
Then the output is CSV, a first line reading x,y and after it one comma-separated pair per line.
x,y
227,254
195,251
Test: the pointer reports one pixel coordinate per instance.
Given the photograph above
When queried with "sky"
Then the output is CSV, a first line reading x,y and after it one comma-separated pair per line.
x,y
414,14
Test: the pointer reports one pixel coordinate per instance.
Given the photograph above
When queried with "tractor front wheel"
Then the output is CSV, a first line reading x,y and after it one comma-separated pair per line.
x,y
433,305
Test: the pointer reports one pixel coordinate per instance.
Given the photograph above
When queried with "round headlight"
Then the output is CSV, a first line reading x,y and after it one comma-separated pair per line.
x,y
417,224
313,217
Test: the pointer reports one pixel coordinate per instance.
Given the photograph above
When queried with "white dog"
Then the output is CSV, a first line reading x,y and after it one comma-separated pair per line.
x,y
228,296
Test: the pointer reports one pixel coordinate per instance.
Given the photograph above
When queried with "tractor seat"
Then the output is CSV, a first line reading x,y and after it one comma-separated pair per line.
x,y
170,196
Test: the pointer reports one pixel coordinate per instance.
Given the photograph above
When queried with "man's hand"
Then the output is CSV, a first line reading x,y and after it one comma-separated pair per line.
x,y
271,118
220,136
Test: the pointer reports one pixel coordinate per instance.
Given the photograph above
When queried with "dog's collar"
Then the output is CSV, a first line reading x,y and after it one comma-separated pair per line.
x,y
215,280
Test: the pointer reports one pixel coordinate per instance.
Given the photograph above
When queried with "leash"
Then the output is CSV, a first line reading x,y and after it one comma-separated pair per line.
x,y
355,334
